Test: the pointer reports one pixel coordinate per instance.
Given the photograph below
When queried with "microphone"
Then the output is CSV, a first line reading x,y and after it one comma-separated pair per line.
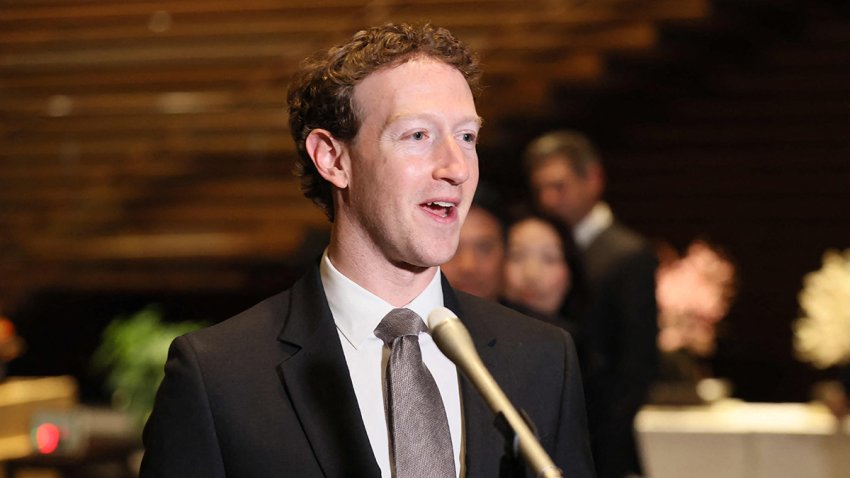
x,y
454,341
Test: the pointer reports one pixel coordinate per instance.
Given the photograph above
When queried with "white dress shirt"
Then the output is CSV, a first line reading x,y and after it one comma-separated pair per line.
x,y
357,312
597,220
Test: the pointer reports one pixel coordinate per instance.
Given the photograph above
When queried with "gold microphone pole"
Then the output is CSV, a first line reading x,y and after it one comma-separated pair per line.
x,y
454,341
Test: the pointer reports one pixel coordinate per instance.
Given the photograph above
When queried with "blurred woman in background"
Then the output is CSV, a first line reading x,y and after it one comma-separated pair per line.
x,y
542,276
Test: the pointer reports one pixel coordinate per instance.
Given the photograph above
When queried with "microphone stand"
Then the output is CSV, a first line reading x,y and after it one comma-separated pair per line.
x,y
512,463
453,339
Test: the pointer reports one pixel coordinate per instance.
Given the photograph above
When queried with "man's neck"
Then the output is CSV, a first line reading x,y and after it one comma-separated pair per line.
x,y
397,284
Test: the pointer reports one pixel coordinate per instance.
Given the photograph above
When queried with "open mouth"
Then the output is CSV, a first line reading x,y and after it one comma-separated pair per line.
x,y
440,208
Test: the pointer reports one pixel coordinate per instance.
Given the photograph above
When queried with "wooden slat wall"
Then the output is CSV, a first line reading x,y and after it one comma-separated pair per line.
x,y
153,130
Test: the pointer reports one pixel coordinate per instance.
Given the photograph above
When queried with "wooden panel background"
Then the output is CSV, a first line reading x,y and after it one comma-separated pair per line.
x,y
144,151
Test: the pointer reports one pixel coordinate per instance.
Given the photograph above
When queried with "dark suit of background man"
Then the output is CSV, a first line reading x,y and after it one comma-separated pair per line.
x,y
386,129
618,328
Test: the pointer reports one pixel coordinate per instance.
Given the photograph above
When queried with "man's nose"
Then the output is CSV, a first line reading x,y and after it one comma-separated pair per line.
x,y
453,162
530,270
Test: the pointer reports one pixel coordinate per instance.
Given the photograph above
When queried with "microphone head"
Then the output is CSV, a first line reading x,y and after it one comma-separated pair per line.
x,y
439,316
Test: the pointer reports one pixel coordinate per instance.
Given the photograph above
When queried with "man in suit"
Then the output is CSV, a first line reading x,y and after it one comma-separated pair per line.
x,y
618,327
386,130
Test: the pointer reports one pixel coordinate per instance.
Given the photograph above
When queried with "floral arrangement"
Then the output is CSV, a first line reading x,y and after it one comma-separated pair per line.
x,y
693,292
822,334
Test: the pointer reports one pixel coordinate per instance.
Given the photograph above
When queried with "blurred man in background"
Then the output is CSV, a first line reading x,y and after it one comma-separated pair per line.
x,y
618,327
476,267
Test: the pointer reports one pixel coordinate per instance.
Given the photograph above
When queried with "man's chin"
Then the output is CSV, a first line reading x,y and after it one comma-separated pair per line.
x,y
426,263
416,266
423,258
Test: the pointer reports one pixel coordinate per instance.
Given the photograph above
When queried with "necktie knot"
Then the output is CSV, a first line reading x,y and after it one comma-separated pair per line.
x,y
399,323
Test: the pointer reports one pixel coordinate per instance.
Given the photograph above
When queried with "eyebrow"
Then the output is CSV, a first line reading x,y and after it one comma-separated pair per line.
x,y
478,120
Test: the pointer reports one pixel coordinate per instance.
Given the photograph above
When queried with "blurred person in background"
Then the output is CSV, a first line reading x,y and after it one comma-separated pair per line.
x,y
618,325
476,267
542,276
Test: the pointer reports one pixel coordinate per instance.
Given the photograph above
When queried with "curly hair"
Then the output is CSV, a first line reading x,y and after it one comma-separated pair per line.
x,y
320,95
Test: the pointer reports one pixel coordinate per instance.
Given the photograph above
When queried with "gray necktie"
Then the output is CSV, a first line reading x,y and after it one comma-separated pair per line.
x,y
420,441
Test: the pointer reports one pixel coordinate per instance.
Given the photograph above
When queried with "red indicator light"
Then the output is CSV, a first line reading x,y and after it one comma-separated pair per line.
x,y
47,437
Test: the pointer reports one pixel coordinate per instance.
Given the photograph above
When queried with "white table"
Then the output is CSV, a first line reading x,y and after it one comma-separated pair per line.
x,y
733,439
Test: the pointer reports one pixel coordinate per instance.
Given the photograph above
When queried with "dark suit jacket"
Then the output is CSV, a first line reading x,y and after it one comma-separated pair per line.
x,y
268,394
617,344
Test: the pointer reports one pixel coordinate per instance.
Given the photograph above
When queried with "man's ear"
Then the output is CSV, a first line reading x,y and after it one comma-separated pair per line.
x,y
596,178
328,155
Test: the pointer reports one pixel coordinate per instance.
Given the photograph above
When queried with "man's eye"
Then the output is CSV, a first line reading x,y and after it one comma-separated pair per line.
x,y
468,137
418,136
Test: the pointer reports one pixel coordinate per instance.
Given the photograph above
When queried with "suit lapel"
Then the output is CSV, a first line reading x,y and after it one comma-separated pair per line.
x,y
318,383
484,445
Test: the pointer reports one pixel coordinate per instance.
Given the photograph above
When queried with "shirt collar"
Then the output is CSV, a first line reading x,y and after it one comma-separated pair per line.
x,y
357,311
599,219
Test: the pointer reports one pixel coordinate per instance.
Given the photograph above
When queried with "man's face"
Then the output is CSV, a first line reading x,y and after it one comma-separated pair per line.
x,y
476,268
559,190
413,166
